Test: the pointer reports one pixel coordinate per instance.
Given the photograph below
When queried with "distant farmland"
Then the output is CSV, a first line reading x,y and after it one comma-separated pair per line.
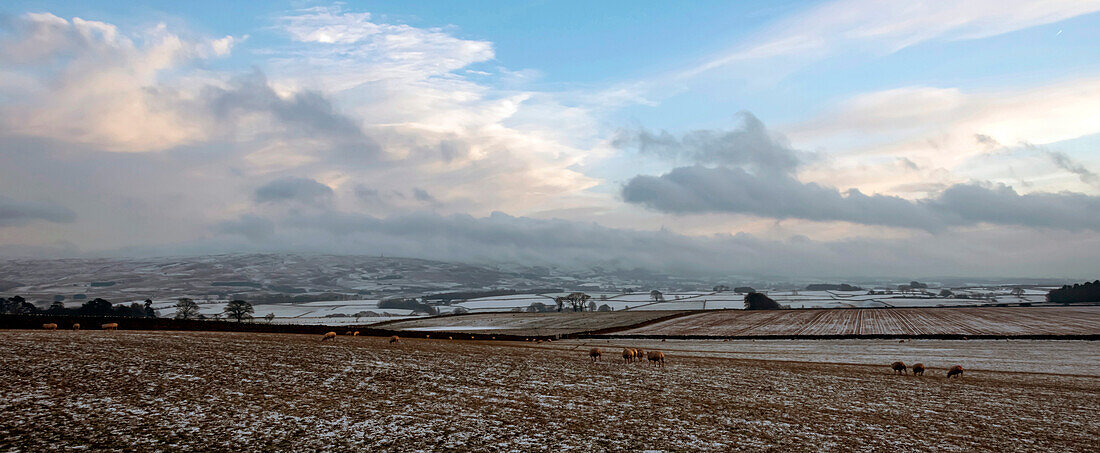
x,y
1009,321
535,324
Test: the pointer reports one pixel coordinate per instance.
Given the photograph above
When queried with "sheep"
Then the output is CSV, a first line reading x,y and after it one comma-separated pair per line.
x,y
639,354
329,336
956,370
394,339
49,326
109,326
628,355
899,367
657,358
595,354
918,369
76,326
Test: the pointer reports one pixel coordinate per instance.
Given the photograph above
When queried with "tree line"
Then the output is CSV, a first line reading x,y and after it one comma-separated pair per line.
x,y
17,305
238,310
1086,292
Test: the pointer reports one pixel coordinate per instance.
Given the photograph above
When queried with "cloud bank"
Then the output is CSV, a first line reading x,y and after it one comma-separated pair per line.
x,y
756,175
18,213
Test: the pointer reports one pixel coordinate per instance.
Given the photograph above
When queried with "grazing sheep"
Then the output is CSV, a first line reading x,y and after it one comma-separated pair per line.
x,y
109,326
918,369
956,370
628,355
595,354
394,339
329,336
76,326
657,358
49,326
899,367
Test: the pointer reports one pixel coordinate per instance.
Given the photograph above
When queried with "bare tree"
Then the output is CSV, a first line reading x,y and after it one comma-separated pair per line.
x,y
656,296
271,317
239,310
577,301
187,309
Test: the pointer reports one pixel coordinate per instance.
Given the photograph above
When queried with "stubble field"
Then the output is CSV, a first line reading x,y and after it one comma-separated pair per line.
x,y
1008,321
144,391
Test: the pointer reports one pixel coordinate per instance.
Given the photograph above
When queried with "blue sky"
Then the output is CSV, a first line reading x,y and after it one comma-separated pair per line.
x,y
841,122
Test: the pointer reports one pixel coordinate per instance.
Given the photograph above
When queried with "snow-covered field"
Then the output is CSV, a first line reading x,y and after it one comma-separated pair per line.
x,y
1074,320
1026,356
201,391
320,312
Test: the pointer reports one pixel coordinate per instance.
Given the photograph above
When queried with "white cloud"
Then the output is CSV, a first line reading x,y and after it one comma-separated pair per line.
x,y
86,82
882,26
943,130
174,146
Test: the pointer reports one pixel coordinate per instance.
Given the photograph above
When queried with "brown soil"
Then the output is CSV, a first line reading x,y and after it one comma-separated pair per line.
x,y
144,391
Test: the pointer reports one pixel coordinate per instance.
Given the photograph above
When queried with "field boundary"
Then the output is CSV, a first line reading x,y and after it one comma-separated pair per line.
x,y
34,322
601,336
65,322
610,330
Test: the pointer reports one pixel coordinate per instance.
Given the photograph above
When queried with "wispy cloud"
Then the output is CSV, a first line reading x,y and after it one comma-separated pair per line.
x,y
885,27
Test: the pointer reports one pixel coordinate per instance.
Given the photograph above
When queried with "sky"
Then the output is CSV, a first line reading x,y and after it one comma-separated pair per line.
x,y
849,138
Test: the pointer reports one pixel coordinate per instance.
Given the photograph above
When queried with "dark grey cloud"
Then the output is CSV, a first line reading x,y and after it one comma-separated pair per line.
x,y
249,226
964,204
308,111
987,141
366,193
1063,161
750,144
303,190
423,195
699,189
908,164
18,213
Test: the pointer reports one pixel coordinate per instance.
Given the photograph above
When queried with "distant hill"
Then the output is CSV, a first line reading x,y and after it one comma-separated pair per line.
x,y
832,287
280,277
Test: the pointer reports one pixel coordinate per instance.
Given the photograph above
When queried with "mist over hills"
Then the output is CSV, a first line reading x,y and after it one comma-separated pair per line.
x,y
289,276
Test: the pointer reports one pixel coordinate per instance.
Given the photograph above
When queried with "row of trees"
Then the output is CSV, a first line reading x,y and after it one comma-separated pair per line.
x,y
96,307
1087,292
238,310
576,301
